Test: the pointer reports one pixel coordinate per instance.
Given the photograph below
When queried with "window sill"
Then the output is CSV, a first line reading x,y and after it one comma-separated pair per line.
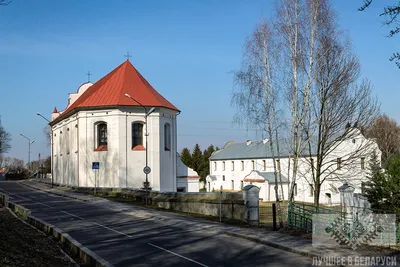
x,y
101,148
138,148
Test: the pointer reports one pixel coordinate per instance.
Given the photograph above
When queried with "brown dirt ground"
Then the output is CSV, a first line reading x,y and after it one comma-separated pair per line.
x,y
21,245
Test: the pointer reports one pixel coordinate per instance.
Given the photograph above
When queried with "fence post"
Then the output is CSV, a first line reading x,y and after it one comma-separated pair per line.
x,y
274,216
251,201
220,205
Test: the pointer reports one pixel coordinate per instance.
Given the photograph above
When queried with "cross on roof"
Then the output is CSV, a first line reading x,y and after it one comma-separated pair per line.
x,y
127,55
88,74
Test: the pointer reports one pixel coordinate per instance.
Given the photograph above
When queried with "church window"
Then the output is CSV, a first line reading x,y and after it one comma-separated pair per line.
x,y
101,138
137,134
167,137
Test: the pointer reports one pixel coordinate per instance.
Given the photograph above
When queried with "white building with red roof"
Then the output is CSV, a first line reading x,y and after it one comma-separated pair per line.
x,y
105,122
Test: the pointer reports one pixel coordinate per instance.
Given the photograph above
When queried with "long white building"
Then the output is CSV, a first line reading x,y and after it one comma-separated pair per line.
x,y
251,162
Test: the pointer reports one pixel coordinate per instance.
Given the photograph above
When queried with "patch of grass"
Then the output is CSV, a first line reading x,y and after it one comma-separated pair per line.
x,y
22,245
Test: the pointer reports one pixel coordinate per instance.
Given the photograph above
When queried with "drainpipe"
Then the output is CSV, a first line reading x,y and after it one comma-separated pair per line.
x,y
77,147
126,150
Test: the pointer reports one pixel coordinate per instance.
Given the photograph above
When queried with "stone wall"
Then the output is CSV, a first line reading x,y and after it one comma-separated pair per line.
x,y
232,204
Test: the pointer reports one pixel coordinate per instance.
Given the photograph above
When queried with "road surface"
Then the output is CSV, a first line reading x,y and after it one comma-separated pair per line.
x,y
126,235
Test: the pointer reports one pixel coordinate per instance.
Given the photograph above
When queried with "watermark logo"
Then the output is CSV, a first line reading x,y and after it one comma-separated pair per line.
x,y
355,261
353,233
353,230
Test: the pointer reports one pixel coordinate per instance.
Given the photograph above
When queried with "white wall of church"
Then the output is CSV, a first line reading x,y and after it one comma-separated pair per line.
x,y
120,165
168,157
65,151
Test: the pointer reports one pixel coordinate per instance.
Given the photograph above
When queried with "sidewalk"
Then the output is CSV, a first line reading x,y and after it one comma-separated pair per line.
x,y
295,244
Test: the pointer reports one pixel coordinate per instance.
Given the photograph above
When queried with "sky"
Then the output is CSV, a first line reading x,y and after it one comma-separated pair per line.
x,y
187,50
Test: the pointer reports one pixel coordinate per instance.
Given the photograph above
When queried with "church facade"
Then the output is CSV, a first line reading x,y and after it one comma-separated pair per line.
x,y
107,122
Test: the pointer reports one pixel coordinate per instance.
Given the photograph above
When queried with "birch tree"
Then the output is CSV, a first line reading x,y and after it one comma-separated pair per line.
x,y
256,97
297,25
300,66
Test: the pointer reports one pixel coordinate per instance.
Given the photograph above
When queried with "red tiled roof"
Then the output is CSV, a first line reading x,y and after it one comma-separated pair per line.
x,y
111,89
55,110
254,180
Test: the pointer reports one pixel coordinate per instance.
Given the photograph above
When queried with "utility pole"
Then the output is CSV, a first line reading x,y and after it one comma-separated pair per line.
x,y
29,152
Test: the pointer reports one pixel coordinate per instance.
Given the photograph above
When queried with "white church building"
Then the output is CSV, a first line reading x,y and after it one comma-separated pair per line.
x,y
105,122
239,164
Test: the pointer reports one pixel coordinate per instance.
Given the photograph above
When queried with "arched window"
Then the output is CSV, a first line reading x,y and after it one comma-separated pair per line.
x,y
167,137
137,134
102,131
101,136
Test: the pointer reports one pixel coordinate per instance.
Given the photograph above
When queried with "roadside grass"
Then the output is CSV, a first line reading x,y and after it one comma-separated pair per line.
x,y
23,245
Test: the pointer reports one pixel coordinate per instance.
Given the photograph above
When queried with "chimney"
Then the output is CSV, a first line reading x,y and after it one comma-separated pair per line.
x,y
248,142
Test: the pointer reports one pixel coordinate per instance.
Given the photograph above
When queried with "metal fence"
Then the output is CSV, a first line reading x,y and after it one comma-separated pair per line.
x,y
299,216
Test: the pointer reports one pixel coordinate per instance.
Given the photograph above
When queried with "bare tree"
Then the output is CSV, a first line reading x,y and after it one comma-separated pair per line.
x,y
5,2
5,139
256,98
391,14
46,131
340,107
298,23
12,164
386,132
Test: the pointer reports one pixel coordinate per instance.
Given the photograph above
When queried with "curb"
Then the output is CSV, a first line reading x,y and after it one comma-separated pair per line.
x,y
278,246
77,248
275,245
72,261
55,193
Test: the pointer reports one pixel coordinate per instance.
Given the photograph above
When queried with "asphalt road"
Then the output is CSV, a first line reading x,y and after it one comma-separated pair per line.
x,y
126,235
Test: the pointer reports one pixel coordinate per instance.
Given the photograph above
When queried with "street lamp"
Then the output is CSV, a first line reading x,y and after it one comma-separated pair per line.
x,y
51,158
29,151
146,169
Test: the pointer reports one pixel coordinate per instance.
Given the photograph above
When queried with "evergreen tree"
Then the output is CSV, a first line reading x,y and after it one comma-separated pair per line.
x,y
383,187
205,166
197,158
186,157
207,153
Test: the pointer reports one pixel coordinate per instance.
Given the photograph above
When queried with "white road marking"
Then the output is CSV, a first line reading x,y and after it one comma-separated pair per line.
x,y
176,254
66,212
76,216
112,229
